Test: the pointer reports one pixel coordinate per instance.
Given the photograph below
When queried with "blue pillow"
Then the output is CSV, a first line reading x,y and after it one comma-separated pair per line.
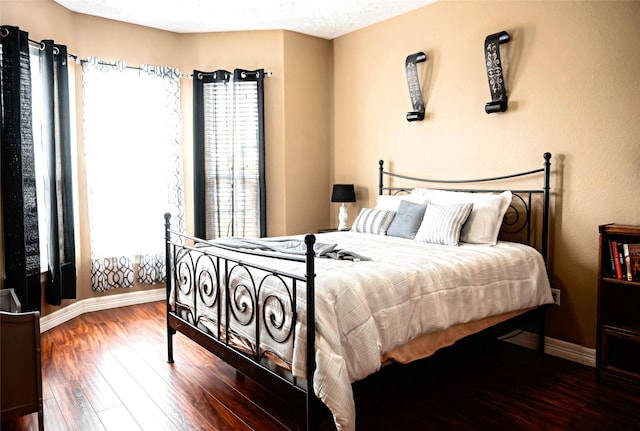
x,y
407,220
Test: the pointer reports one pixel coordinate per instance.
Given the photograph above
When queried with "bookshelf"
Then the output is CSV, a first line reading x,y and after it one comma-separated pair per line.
x,y
618,331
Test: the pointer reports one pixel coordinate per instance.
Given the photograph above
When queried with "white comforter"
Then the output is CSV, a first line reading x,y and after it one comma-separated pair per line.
x,y
366,309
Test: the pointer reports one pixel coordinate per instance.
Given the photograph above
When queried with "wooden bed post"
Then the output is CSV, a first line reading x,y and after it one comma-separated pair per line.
x,y
168,279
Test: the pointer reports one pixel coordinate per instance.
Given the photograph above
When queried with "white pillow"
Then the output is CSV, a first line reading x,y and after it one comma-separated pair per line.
x,y
426,194
389,202
485,220
374,221
392,202
442,223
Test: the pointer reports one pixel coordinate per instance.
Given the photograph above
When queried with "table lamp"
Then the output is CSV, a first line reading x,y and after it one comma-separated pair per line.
x,y
343,193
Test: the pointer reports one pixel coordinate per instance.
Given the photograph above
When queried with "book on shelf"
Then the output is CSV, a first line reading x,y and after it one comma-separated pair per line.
x,y
634,262
616,260
627,261
612,260
624,260
623,265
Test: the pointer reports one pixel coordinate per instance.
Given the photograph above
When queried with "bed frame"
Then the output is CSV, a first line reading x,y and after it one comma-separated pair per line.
x,y
189,266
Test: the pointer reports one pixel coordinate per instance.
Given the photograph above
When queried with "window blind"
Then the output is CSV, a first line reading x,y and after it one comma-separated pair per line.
x,y
230,157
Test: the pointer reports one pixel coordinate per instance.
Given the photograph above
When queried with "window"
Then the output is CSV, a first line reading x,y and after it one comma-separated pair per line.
x,y
229,165
134,169
36,121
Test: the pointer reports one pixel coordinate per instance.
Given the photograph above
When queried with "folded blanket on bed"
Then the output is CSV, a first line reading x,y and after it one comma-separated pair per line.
x,y
287,247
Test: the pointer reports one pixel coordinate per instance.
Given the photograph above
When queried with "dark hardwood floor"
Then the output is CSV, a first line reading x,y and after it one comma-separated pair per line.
x,y
107,370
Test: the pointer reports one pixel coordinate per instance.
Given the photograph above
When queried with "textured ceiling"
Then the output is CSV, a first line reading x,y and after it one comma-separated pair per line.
x,y
327,19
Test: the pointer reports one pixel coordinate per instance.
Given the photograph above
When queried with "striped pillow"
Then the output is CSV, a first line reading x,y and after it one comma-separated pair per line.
x,y
373,221
442,223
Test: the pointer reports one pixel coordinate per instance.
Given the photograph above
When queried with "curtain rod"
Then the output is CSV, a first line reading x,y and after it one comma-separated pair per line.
x,y
76,59
36,44
115,64
40,45
267,74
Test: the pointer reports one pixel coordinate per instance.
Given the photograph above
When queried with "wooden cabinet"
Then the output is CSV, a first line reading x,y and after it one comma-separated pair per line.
x,y
20,369
618,332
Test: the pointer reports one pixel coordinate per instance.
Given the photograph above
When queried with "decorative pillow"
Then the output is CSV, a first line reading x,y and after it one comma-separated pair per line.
x,y
373,221
485,220
442,223
407,220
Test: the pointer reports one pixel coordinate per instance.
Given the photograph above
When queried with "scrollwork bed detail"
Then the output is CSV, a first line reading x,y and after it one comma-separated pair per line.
x,y
512,223
191,267
248,312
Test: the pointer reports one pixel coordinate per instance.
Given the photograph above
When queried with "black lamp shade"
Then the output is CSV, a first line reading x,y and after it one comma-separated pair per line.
x,y
343,193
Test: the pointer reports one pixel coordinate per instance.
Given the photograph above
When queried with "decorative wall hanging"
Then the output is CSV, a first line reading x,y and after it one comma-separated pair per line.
x,y
494,72
414,86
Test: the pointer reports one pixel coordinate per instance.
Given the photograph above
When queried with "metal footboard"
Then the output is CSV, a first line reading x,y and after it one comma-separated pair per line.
x,y
237,309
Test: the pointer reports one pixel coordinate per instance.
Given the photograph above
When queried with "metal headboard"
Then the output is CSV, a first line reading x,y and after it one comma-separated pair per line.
x,y
519,216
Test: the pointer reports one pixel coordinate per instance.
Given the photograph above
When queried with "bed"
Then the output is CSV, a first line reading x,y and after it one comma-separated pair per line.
x,y
422,270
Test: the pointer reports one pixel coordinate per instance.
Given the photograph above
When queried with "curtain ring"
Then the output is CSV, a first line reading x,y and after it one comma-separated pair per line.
x,y
42,46
243,74
56,51
4,32
200,76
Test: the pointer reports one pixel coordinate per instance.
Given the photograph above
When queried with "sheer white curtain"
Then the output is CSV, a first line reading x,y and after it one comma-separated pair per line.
x,y
134,169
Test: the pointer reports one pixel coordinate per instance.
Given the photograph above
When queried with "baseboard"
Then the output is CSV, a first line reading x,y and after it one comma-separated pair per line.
x,y
88,305
552,346
562,349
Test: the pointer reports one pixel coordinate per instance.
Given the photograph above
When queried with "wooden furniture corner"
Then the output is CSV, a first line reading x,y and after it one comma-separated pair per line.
x,y
20,365
618,321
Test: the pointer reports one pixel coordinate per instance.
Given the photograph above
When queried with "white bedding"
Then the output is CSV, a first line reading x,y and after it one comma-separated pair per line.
x,y
366,309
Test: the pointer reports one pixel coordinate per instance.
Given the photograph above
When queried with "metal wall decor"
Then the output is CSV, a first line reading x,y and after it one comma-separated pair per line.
x,y
494,72
414,86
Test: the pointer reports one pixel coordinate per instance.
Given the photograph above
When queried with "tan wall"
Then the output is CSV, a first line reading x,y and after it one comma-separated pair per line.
x,y
308,72
573,91
86,35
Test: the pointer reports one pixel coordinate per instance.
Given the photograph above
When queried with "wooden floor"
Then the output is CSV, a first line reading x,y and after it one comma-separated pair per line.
x,y
107,370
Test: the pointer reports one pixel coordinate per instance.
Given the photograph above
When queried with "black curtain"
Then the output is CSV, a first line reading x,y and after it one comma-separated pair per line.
x,y
19,206
199,166
56,143
206,194
20,209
